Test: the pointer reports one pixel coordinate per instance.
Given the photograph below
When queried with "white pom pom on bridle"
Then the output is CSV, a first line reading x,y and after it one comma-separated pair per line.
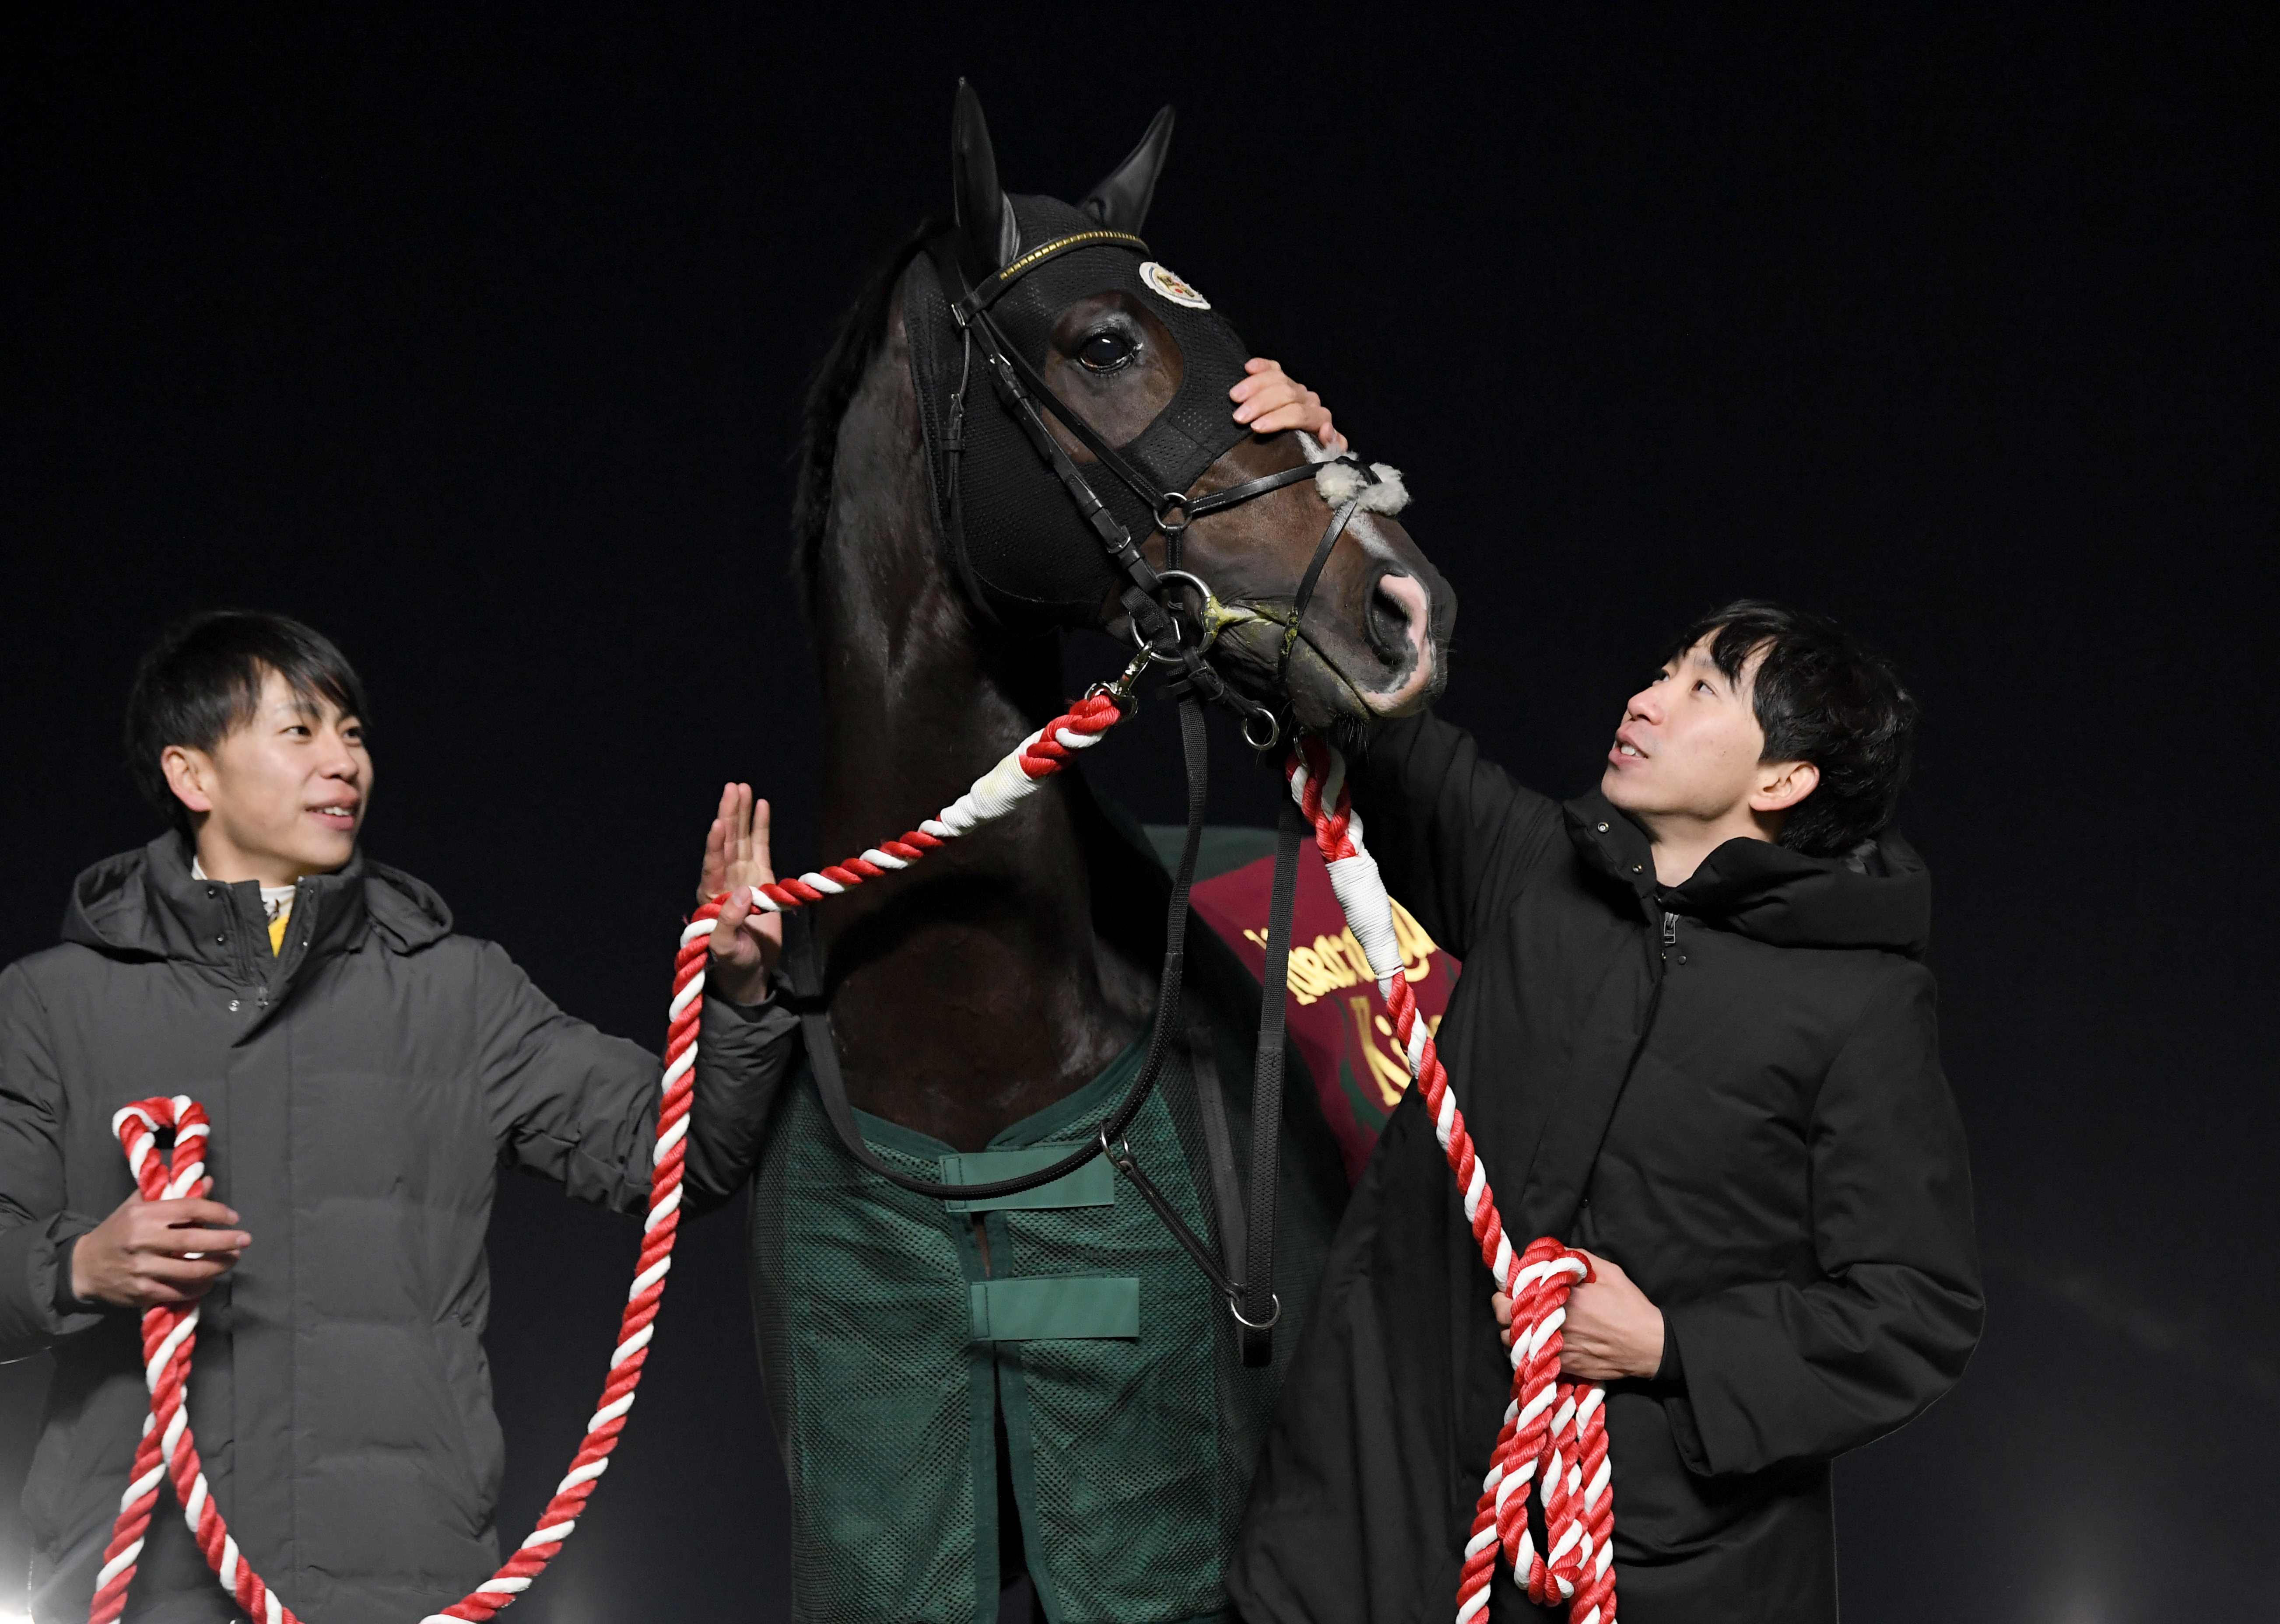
x,y
1340,482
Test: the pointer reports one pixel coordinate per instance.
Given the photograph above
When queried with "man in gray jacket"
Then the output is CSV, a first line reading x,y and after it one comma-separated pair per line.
x,y
366,1071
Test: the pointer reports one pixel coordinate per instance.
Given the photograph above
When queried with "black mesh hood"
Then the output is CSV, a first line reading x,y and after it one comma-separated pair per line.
x,y
1018,544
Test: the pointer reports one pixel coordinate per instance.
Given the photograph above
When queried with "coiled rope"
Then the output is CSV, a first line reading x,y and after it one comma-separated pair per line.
x,y
1554,1432
167,1449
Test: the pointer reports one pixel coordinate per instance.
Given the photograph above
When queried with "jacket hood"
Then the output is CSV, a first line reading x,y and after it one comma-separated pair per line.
x,y
143,904
1878,896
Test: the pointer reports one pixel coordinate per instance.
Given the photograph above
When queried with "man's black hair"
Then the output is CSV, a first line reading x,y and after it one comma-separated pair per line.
x,y
1824,697
203,678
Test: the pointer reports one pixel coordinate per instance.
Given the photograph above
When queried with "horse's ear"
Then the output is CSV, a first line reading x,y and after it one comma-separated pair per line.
x,y
1120,202
985,218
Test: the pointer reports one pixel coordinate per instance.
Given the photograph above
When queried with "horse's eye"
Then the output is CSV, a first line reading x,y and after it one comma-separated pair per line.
x,y
1105,352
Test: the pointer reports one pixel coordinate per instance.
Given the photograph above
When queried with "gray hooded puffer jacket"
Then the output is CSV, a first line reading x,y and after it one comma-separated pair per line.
x,y
365,1085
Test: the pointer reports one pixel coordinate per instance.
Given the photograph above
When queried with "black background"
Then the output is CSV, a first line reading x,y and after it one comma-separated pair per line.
x,y
477,341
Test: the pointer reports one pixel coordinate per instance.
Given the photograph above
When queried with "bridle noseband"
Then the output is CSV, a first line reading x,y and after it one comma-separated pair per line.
x,y
1146,596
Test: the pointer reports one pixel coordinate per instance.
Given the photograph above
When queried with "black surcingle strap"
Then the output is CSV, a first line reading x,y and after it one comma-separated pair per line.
x,y
1260,1306
1243,1270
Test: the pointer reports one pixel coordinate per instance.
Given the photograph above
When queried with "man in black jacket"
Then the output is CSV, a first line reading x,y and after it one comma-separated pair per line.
x,y
367,1071
1694,1037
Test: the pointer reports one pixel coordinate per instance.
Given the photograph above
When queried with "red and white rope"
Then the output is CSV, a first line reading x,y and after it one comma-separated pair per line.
x,y
1554,1431
170,1333
997,792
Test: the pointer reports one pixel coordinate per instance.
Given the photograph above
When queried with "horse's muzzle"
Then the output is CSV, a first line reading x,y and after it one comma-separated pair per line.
x,y
1400,622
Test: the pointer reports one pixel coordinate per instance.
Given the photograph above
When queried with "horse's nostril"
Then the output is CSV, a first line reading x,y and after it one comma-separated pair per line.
x,y
1387,622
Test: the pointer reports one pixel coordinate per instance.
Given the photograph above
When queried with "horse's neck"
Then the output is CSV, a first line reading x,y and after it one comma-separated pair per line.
x,y
973,989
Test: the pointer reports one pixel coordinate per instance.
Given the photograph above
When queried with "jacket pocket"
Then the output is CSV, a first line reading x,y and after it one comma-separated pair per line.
x,y
93,1415
482,1461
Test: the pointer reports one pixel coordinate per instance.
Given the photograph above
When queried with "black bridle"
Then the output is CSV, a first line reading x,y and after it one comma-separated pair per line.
x,y
1244,1272
1026,396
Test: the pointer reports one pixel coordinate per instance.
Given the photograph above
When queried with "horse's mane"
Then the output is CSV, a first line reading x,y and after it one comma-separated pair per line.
x,y
837,377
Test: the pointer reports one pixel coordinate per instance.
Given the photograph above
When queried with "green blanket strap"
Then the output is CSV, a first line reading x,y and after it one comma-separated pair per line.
x,y
1050,1307
1092,1185
1037,1308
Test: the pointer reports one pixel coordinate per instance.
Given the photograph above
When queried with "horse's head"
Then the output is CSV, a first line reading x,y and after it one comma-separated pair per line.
x,y
1028,297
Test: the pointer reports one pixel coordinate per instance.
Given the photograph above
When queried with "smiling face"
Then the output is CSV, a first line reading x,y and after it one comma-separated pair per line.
x,y
280,796
1690,753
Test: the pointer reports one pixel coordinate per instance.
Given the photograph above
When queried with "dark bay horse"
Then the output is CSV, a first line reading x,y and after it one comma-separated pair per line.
x,y
997,981
991,983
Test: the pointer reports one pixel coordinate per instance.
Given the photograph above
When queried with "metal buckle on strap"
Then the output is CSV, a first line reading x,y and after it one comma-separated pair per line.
x,y
1214,618
1120,690
1262,729
1153,654
1267,1324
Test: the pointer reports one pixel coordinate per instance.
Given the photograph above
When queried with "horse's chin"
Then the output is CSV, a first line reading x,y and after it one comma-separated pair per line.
x,y
1322,695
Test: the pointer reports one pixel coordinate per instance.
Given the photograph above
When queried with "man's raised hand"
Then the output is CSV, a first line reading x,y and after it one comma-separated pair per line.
x,y
140,1256
746,941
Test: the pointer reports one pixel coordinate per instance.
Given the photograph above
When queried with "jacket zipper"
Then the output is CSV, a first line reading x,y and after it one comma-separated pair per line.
x,y
241,953
1659,968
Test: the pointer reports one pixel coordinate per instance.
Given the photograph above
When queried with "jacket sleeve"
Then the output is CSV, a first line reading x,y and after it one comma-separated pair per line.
x,y
573,1105
35,1225
743,1054
1454,836
1806,1370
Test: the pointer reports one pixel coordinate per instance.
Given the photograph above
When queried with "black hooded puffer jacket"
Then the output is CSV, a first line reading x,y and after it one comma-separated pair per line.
x,y
1731,1089
364,1085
